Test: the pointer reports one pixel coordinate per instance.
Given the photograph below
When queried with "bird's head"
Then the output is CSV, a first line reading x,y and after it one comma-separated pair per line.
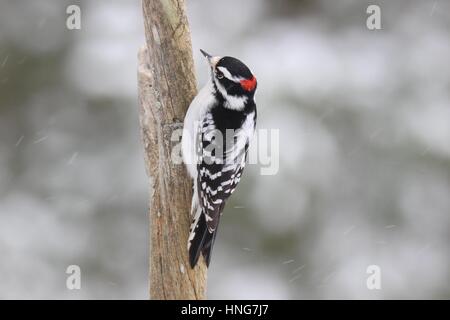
x,y
232,79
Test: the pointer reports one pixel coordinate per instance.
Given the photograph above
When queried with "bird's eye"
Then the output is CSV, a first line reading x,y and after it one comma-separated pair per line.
x,y
219,75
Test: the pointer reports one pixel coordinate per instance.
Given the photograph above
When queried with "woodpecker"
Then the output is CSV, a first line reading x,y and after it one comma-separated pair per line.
x,y
218,128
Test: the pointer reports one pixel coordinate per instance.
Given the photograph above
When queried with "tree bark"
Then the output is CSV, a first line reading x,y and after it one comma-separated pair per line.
x,y
167,85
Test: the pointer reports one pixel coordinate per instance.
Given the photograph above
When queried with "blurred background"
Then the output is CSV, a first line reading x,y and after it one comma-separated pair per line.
x,y
364,177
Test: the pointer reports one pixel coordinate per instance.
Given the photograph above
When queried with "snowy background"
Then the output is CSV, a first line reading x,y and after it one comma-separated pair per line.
x,y
364,178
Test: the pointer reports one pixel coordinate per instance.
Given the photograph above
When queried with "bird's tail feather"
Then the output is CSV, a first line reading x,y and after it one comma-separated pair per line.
x,y
207,248
200,240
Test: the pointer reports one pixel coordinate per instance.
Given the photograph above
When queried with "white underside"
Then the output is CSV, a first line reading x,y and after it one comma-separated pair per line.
x,y
201,104
194,116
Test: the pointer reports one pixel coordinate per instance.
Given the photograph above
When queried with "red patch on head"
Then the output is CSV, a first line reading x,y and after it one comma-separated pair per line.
x,y
248,84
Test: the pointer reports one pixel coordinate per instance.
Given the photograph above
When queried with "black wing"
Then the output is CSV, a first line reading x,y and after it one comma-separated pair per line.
x,y
222,161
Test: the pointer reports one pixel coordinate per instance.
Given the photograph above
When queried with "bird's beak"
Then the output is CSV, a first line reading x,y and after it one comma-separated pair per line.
x,y
212,60
206,54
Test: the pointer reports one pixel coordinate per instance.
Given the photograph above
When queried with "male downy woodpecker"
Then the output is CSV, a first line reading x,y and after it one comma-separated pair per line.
x,y
218,127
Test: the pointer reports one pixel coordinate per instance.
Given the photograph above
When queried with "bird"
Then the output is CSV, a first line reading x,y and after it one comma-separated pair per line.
x,y
217,131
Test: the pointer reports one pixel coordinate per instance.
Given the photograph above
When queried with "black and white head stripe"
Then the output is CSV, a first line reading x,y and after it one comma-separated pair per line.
x,y
234,81
234,68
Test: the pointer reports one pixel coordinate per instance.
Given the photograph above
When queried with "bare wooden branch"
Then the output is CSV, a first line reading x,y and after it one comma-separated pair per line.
x,y
167,85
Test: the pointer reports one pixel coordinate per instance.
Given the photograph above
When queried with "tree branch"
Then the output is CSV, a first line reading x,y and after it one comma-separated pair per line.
x,y
167,85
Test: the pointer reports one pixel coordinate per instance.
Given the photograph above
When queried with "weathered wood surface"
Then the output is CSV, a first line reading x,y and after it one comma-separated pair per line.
x,y
167,85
